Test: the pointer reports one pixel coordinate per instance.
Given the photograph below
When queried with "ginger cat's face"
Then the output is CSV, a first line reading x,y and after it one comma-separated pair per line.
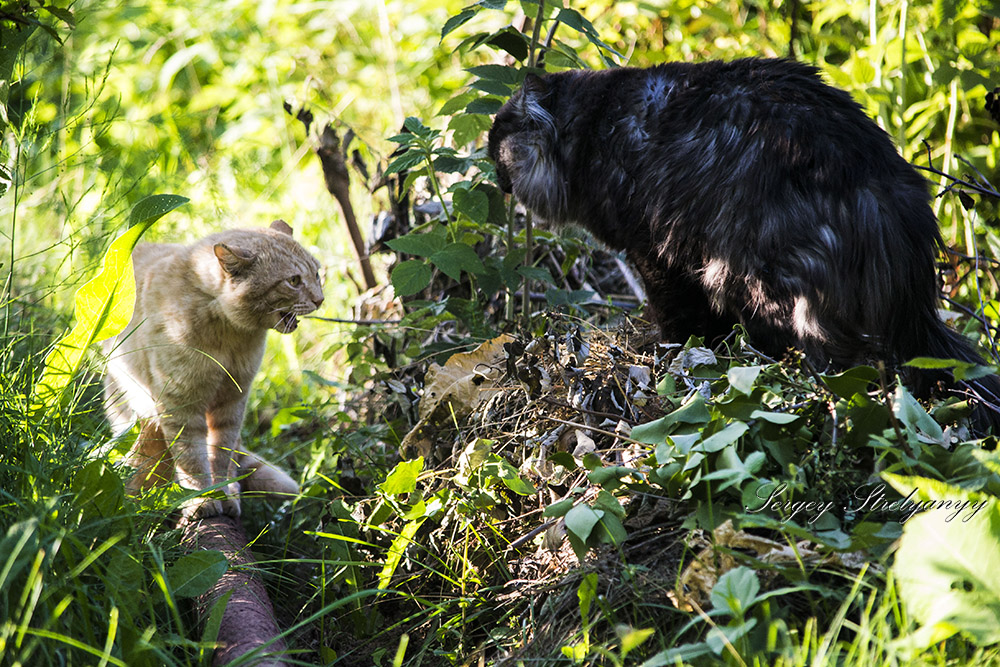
x,y
269,280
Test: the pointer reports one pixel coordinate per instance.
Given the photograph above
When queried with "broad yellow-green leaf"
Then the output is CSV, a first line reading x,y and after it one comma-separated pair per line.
x,y
103,306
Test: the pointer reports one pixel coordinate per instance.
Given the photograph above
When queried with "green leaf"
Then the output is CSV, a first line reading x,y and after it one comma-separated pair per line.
x,y
558,508
946,568
502,469
513,42
194,574
913,415
403,478
419,244
407,160
508,76
539,273
473,203
104,305
742,378
736,590
631,638
656,431
397,550
459,20
487,105
774,417
726,436
853,381
576,20
410,277
581,521
455,258
417,127
456,104
467,127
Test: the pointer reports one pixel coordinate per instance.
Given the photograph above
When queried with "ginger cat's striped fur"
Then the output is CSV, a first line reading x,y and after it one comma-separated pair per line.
x,y
184,364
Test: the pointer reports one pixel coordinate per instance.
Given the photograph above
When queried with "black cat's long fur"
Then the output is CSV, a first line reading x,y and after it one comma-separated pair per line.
x,y
744,192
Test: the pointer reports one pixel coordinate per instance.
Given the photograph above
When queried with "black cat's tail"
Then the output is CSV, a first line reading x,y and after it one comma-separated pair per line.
x,y
983,393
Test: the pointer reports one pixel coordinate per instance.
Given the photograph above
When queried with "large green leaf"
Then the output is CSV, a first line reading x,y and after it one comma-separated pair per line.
x,y
947,562
195,573
103,306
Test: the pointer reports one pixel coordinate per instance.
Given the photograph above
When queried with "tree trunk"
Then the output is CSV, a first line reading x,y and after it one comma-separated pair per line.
x,y
248,621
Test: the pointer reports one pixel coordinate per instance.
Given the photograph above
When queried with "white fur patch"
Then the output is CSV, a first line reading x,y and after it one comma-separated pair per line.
x,y
804,322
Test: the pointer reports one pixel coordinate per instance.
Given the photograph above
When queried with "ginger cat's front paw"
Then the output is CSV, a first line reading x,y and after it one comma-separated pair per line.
x,y
206,508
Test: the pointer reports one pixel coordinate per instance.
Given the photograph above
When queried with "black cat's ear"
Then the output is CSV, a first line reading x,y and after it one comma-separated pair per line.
x,y
533,90
234,261
281,226
529,104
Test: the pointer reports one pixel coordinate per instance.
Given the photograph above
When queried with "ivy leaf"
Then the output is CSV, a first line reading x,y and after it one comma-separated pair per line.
x,y
726,436
742,378
580,521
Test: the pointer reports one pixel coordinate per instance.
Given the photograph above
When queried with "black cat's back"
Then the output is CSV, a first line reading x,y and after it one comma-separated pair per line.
x,y
745,192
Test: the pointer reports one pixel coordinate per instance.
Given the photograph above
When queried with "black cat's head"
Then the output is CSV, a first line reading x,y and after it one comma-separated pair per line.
x,y
523,144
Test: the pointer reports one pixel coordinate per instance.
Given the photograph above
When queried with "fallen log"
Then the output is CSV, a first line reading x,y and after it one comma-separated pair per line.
x,y
248,621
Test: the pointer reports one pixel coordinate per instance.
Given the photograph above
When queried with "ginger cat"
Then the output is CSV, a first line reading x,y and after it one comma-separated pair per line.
x,y
184,364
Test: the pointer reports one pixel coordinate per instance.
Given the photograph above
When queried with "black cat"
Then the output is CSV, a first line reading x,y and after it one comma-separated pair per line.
x,y
744,192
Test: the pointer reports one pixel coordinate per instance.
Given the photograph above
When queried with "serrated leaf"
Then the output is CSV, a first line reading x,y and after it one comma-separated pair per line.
x,y
455,258
194,574
488,105
418,243
456,103
406,161
513,42
410,277
466,128
473,203
103,306
576,20
459,20
417,127
492,87
509,76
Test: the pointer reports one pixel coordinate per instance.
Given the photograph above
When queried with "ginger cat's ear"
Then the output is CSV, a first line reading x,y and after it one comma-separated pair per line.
x,y
281,226
233,260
